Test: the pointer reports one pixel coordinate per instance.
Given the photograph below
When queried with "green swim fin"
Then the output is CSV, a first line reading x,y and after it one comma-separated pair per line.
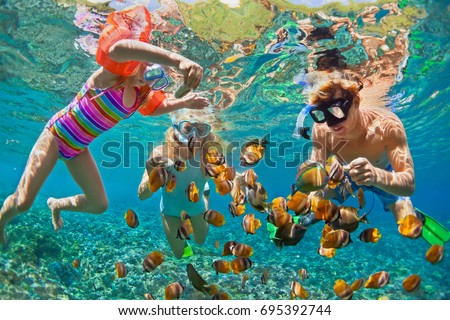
x,y
187,250
273,230
433,231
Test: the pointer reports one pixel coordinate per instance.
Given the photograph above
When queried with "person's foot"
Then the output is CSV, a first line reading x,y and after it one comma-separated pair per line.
x,y
56,214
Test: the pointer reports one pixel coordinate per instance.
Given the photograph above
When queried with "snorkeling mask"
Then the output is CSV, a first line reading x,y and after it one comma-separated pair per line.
x,y
156,74
333,113
184,129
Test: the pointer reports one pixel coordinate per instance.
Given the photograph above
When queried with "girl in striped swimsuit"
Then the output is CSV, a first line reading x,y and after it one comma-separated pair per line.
x,y
104,100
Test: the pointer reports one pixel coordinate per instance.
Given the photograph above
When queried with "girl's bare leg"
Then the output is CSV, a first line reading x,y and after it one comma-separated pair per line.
x,y
200,227
85,173
40,163
171,225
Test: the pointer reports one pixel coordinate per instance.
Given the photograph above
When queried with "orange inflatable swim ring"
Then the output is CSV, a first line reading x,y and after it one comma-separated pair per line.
x,y
133,23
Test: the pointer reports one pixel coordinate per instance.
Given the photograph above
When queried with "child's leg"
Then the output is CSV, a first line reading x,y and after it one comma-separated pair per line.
x,y
200,227
85,173
171,225
40,163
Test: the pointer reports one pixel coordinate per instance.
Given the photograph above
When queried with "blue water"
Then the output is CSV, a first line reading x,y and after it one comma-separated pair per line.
x,y
41,69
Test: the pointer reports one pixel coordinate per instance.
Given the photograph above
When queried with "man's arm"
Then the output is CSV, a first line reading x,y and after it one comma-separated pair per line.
x,y
402,181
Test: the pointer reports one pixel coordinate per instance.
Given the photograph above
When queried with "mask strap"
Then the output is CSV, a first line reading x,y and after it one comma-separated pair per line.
x,y
173,119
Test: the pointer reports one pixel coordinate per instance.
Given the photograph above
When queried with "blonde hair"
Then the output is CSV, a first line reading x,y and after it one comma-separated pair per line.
x,y
172,146
323,86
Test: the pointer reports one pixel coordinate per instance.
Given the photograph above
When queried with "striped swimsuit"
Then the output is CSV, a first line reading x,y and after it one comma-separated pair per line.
x,y
91,112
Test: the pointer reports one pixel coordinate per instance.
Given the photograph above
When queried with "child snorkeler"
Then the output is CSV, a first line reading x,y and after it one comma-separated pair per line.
x,y
129,79
183,132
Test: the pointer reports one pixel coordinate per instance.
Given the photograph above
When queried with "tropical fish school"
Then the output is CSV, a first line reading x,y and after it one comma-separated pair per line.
x,y
287,218
285,221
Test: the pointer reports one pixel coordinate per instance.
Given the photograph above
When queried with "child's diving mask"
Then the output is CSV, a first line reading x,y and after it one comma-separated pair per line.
x,y
184,129
155,73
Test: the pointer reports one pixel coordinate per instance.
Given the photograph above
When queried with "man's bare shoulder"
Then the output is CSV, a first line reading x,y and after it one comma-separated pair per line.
x,y
384,121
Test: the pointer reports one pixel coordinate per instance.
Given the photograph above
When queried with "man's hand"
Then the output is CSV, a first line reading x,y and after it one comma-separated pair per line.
x,y
362,172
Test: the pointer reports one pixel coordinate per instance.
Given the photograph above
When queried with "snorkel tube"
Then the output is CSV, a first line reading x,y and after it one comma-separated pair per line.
x,y
300,130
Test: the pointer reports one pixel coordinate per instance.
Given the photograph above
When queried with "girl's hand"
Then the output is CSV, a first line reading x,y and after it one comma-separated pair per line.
x,y
157,161
195,101
362,172
192,73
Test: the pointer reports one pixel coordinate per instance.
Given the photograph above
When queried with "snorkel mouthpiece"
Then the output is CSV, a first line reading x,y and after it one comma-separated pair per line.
x,y
300,130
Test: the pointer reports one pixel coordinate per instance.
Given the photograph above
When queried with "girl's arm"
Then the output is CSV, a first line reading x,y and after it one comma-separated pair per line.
x,y
193,101
126,50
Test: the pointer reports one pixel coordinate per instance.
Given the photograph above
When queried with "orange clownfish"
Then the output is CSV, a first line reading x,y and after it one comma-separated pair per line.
x,y
336,239
171,182
410,226
121,270
214,217
299,203
131,218
377,280
157,178
298,291
240,264
250,178
185,230
152,261
173,291
236,210
327,252
241,250
76,263
221,266
250,224
411,283
192,192
278,217
343,290
370,235
435,253
279,203
357,284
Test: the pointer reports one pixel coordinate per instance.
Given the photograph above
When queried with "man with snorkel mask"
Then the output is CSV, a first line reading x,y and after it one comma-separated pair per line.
x,y
370,144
